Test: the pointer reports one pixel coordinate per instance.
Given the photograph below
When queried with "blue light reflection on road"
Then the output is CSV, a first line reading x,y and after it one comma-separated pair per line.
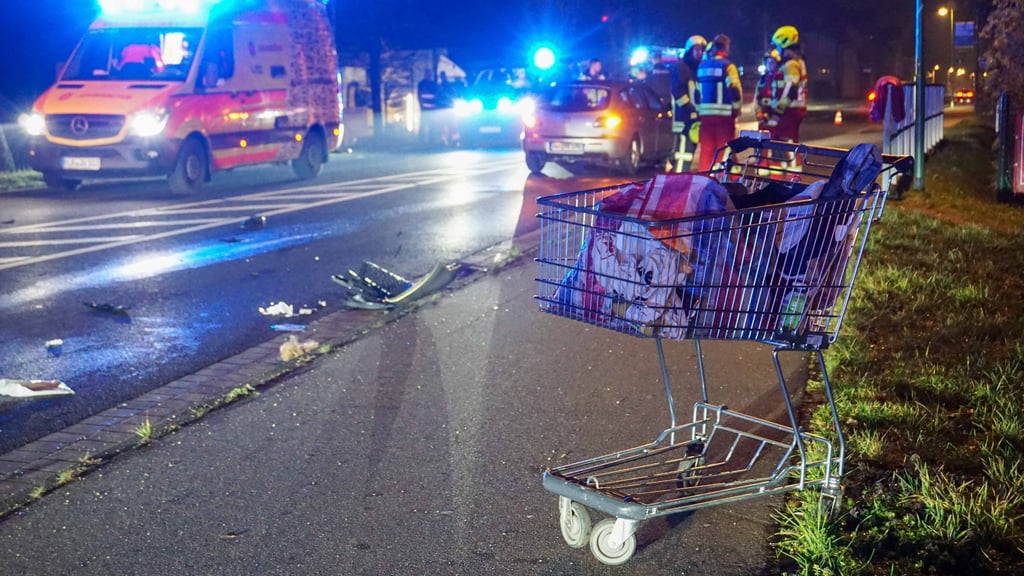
x,y
157,263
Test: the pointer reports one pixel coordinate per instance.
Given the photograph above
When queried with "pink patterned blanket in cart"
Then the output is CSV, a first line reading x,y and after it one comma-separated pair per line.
x,y
631,272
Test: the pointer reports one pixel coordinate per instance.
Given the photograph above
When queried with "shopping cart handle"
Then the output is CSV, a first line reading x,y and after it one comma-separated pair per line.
x,y
902,164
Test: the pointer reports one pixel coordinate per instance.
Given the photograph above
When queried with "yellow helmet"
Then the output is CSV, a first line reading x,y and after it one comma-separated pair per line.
x,y
785,37
695,40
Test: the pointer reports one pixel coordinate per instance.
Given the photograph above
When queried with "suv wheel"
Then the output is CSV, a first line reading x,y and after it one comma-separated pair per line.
x,y
630,163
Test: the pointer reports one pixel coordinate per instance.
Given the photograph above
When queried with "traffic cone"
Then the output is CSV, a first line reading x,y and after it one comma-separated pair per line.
x,y
839,118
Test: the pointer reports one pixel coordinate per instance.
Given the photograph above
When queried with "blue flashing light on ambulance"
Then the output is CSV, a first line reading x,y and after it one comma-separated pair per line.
x,y
184,88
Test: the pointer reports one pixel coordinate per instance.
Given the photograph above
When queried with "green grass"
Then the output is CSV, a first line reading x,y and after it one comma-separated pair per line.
x,y
20,179
144,431
929,383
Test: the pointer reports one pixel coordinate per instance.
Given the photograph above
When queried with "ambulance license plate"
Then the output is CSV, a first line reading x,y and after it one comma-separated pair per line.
x,y
80,163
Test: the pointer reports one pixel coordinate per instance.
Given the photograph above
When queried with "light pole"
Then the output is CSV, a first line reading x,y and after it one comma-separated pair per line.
x,y
948,11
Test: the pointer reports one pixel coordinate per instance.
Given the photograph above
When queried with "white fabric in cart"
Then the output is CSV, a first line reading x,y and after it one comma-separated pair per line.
x,y
622,262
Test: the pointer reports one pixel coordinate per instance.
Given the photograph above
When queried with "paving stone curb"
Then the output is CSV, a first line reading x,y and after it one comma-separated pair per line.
x,y
29,472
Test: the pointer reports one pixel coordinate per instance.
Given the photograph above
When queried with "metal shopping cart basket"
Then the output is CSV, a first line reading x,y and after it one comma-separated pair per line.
x,y
770,255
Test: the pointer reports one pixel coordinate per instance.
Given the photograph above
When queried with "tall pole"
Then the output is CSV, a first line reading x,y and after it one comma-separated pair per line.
x,y
919,100
952,48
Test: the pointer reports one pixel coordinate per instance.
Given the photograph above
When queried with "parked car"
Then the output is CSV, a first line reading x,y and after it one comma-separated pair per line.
x,y
611,123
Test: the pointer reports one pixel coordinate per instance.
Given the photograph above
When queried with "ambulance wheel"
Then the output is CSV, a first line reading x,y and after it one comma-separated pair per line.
x,y
311,160
535,161
630,163
55,181
190,169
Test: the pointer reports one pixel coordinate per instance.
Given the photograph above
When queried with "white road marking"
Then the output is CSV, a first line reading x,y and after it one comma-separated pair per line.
x,y
270,203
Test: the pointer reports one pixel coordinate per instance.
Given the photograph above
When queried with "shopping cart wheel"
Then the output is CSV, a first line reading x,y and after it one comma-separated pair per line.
x,y
574,520
604,551
687,475
830,503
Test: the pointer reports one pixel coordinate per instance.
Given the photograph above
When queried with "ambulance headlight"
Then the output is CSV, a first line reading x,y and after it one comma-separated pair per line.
x,y
148,122
33,124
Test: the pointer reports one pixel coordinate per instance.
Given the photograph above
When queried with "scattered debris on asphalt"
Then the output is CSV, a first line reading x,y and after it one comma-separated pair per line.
x,y
255,223
115,312
55,346
288,310
292,348
278,309
376,288
33,388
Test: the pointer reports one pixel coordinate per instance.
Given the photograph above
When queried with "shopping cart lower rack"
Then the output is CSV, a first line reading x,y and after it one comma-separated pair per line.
x,y
762,255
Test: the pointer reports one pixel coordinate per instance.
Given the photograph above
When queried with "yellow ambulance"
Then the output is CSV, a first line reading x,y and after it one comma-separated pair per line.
x,y
184,88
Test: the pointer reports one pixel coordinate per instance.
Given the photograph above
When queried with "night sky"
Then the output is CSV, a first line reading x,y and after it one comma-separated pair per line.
x,y
37,34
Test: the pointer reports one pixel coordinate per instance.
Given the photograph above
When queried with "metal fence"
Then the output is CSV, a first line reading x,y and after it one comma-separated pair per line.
x,y
898,135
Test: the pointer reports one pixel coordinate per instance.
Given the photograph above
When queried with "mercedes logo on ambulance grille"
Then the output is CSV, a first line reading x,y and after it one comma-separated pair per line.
x,y
79,125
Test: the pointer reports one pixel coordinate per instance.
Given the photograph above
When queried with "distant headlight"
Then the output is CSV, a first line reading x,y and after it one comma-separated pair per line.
x,y
505,105
526,106
469,107
148,122
34,124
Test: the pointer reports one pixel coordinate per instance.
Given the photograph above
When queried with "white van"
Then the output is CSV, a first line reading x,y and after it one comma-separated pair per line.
x,y
182,88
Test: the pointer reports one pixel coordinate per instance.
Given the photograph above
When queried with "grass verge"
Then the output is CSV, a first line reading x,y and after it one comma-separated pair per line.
x,y
929,378
20,179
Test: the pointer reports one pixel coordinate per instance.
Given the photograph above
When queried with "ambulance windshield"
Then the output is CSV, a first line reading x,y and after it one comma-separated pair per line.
x,y
134,54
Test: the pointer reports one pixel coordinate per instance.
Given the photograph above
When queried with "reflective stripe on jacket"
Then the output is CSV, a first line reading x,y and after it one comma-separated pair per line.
x,y
719,84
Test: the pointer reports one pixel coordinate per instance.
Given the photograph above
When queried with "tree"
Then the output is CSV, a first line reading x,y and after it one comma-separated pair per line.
x,y
1003,36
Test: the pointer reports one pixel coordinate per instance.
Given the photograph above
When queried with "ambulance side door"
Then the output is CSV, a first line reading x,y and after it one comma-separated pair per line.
x,y
262,51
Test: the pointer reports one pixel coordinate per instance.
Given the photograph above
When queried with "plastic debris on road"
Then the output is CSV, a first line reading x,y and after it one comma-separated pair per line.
x,y
33,388
288,310
278,309
55,347
110,308
293,348
116,312
376,288
255,223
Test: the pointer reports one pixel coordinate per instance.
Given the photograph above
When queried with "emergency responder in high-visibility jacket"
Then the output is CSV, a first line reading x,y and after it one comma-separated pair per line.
x,y
791,87
765,96
721,97
685,123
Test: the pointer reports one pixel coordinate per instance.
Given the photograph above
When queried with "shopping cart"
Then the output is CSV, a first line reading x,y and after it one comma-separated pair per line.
x,y
763,265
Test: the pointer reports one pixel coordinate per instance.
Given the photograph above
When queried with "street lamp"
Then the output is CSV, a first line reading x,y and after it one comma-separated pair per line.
x,y
948,11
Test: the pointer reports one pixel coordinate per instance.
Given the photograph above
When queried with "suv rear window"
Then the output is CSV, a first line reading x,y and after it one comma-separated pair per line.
x,y
575,98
